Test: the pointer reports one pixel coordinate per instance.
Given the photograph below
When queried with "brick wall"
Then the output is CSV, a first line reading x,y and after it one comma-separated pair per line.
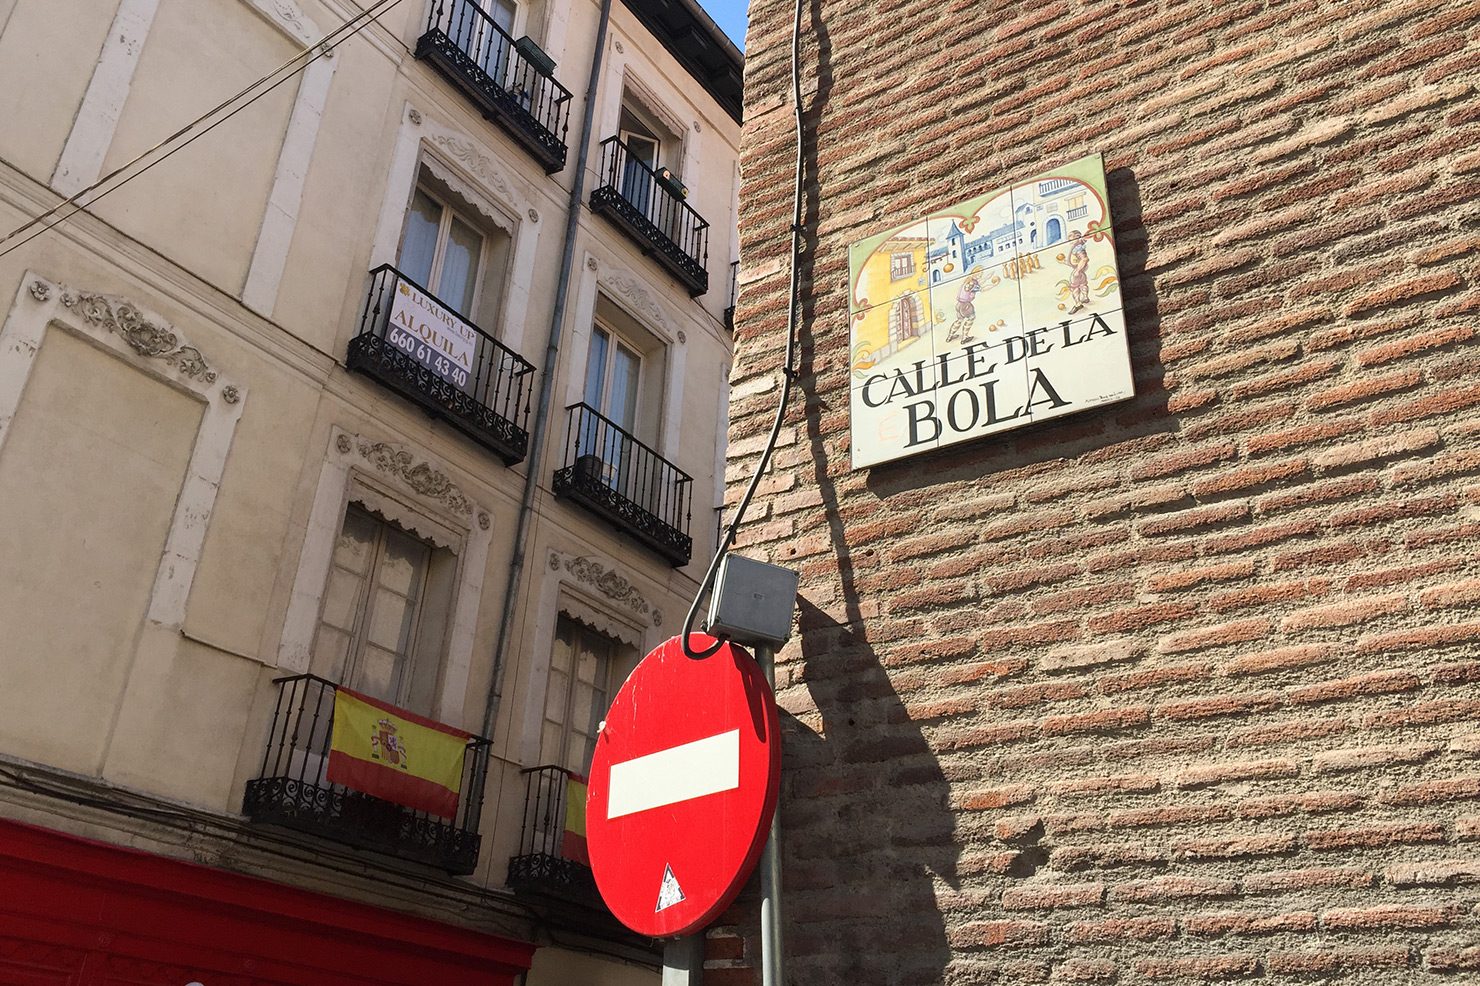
x,y
1183,688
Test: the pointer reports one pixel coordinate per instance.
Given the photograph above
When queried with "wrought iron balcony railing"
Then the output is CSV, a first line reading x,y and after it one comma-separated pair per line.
x,y
734,295
422,348
621,480
292,790
648,206
509,80
546,863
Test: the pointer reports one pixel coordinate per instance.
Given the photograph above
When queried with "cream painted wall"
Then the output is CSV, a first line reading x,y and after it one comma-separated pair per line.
x,y
189,64
93,467
47,53
89,474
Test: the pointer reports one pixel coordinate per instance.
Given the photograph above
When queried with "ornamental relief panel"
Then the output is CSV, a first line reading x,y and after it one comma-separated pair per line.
x,y
607,581
403,465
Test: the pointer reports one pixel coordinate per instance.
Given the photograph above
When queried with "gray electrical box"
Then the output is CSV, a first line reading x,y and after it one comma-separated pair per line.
x,y
752,601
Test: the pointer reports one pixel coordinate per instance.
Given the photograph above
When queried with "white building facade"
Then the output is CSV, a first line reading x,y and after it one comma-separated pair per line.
x,y
329,390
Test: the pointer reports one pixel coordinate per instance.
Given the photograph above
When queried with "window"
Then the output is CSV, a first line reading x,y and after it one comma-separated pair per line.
x,y
651,146
901,265
476,35
454,249
385,612
441,250
578,693
613,370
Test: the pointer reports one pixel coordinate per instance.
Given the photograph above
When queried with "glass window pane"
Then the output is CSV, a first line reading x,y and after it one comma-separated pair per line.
x,y
557,693
624,388
502,13
460,267
390,621
419,245
403,564
342,599
378,673
596,367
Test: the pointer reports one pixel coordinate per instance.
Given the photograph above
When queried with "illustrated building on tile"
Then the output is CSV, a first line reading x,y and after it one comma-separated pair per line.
x,y
338,492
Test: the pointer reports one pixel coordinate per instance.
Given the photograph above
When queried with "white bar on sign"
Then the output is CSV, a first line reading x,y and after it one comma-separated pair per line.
x,y
681,773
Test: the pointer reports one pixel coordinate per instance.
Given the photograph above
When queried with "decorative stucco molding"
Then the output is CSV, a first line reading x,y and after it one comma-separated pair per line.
x,y
422,477
609,582
144,335
463,152
637,297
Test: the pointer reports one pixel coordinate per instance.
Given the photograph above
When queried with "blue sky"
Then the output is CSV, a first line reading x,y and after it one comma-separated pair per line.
x,y
730,16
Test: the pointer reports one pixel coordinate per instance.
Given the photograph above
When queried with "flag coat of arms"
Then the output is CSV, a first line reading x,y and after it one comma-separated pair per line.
x,y
395,755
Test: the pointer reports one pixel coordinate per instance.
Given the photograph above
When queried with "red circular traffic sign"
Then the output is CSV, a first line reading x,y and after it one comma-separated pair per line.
x,y
683,785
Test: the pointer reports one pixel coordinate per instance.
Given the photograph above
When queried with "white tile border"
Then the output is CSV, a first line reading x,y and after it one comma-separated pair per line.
x,y
150,344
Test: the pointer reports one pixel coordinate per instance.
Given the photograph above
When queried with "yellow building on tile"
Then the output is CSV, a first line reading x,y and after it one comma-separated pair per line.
x,y
891,306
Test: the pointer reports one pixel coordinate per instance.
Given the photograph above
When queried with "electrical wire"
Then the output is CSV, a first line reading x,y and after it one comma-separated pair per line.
x,y
319,49
788,370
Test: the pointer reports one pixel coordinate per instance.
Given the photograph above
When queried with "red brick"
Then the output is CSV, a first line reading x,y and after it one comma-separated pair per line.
x,y
1192,578
1375,836
1386,917
1085,971
1237,632
1123,929
1332,877
1219,705
1169,888
1288,731
1373,683
1052,896
1280,659
1334,959
1183,460
1220,773
1247,922
1112,684
1140,617
1093,722
1233,847
1435,792
994,934
1201,967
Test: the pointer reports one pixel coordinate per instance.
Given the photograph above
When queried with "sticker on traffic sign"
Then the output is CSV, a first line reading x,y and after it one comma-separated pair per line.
x,y
683,785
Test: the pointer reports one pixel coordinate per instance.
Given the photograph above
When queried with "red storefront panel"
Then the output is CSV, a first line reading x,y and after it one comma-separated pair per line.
x,y
81,913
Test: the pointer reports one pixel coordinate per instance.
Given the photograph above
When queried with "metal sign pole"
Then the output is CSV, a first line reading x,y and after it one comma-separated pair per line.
x,y
683,961
772,960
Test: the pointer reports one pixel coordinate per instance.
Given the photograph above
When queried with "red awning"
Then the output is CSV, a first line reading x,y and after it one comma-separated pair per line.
x,y
85,913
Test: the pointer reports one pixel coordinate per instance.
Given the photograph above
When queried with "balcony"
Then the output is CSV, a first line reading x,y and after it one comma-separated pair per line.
x,y
627,484
424,350
734,295
508,80
292,791
648,206
544,864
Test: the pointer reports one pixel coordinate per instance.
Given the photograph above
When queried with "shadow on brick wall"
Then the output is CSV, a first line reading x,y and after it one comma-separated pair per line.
x,y
868,821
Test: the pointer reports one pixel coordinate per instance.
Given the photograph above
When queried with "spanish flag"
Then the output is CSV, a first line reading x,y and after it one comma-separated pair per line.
x,y
395,755
573,840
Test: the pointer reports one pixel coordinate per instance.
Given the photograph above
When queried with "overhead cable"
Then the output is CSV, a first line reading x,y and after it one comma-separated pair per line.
x,y
319,49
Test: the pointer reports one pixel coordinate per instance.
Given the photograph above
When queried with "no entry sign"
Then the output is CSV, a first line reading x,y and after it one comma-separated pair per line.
x,y
683,786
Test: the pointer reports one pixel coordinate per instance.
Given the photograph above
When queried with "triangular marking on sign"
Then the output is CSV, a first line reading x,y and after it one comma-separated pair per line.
x,y
670,893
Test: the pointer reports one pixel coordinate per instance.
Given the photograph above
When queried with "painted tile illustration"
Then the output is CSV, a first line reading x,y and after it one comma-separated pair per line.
x,y
993,313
